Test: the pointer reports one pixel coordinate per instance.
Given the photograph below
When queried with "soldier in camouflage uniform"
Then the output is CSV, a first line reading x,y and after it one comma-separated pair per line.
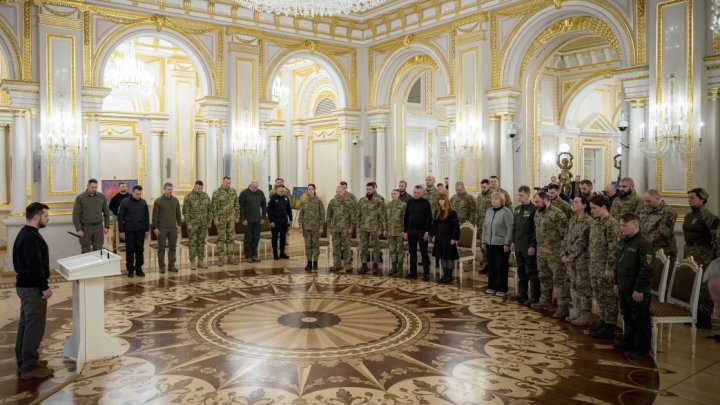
x,y
311,220
395,210
347,192
557,202
371,224
464,204
196,212
699,228
340,219
604,236
495,186
431,193
627,200
481,206
550,226
575,256
225,213
657,224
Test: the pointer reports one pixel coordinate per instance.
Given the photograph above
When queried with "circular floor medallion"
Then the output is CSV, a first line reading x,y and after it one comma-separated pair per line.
x,y
309,326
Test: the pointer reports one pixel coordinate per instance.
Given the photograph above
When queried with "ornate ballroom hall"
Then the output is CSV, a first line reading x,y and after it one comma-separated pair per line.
x,y
156,91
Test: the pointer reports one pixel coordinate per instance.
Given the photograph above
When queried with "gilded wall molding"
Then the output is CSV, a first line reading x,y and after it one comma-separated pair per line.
x,y
20,69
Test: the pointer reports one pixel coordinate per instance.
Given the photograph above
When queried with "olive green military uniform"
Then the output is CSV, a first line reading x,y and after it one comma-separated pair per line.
x,y
197,212
508,198
699,228
226,210
563,206
550,227
630,203
658,226
395,225
340,217
431,194
604,236
90,213
464,205
311,220
575,247
370,220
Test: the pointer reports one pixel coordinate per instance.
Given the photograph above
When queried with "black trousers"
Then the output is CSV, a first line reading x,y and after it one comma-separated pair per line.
x,y
281,233
527,274
31,328
252,239
134,250
415,239
636,315
497,268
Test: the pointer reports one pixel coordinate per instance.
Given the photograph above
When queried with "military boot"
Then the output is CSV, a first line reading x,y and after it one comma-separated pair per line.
x,y
314,265
574,316
586,319
561,313
393,270
375,269
221,261
606,332
202,264
233,260
363,269
308,266
193,264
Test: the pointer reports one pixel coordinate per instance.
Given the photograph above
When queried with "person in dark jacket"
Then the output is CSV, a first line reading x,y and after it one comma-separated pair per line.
x,y
280,216
252,214
32,265
418,218
133,222
525,247
166,222
118,198
445,232
634,273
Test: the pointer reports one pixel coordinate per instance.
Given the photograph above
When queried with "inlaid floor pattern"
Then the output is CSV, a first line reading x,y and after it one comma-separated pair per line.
x,y
282,336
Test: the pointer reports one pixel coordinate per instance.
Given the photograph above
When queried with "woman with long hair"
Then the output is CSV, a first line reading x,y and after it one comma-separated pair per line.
x,y
445,232
576,258
496,241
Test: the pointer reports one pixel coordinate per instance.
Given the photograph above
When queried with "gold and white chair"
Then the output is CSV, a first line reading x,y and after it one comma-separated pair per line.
x,y
681,303
467,247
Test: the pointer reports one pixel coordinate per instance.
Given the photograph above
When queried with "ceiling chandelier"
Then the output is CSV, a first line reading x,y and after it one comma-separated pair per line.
x,y
247,142
310,8
126,76
715,23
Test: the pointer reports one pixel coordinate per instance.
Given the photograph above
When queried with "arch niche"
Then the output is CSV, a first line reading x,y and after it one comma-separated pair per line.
x,y
416,132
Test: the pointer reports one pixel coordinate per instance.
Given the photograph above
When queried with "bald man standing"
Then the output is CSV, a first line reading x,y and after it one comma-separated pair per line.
x,y
253,208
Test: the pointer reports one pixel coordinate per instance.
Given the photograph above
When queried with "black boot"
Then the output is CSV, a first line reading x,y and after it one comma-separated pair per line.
x,y
606,332
393,270
308,266
449,276
314,265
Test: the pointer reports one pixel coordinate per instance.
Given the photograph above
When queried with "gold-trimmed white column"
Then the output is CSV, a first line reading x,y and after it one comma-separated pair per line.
x,y
18,180
380,160
507,155
93,145
346,136
299,134
4,134
201,169
502,106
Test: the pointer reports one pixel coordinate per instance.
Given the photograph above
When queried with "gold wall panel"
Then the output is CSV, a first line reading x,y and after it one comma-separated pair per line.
x,y
662,8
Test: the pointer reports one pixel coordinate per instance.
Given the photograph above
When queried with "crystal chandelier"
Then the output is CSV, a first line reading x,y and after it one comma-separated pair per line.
x,y
464,139
60,139
127,76
715,23
310,8
671,133
247,142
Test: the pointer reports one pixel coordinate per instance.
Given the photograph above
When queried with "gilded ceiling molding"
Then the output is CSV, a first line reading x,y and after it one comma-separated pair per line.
x,y
412,63
589,24
27,41
579,85
641,32
19,68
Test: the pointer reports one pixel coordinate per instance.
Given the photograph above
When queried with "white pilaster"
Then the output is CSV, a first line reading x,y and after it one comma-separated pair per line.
x,y
212,177
507,156
93,146
299,134
380,159
18,182
503,103
635,85
4,134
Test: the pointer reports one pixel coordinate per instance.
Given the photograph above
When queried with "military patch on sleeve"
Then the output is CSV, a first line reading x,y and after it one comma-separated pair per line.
x,y
649,259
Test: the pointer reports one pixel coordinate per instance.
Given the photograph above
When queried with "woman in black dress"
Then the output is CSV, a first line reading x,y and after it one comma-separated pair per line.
x,y
445,232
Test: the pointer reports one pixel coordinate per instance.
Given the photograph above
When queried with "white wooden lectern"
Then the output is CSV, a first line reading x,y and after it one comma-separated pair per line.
x,y
89,341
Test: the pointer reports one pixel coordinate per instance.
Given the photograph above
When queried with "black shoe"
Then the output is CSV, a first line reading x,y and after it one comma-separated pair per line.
x,y
606,332
308,266
284,256
519,298
363,269
703,320
426,277
276,257
633,355
314,265
139,273
173,270
131,274
622,346
411,276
